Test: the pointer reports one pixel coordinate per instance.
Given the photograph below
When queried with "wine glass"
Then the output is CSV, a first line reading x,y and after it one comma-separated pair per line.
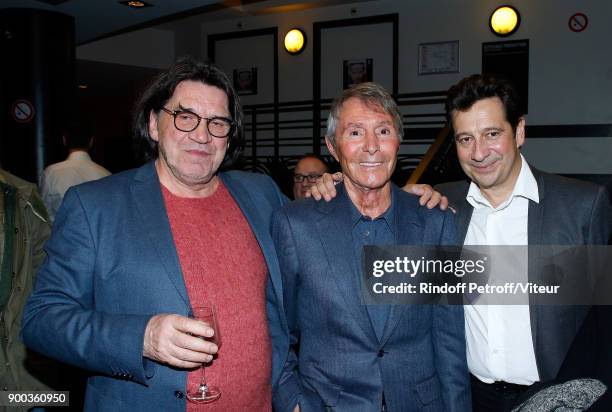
x,y
204,393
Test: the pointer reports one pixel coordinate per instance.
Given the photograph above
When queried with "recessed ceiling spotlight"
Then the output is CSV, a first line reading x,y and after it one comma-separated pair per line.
x,y
135,4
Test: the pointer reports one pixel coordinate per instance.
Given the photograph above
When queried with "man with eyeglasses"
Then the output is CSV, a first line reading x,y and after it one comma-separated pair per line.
x,y
307,170
132,254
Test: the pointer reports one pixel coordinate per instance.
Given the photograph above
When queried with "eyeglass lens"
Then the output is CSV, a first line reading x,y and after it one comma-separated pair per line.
x,y
187,122
309,178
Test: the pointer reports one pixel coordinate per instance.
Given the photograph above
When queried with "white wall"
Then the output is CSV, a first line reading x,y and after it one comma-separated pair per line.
x,y
570,71
570,77
245,53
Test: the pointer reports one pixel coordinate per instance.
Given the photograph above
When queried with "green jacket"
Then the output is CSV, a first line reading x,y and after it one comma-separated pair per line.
x,y
24,229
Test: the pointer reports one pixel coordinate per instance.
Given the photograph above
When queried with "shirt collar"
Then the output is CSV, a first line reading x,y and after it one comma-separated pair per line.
x,y
388,216
526,186
79,155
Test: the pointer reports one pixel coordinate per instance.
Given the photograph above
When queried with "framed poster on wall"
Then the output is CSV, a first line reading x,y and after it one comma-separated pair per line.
x,y
439,57
245,81
356,71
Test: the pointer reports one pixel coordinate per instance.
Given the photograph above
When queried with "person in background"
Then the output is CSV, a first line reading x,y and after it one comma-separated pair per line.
x,y
24,229
307,170
76,169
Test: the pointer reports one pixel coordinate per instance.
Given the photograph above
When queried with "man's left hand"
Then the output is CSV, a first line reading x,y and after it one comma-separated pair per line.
x,y
427,195
324,188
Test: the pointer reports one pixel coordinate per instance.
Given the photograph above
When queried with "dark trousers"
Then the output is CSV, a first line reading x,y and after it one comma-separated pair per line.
x,y
495,397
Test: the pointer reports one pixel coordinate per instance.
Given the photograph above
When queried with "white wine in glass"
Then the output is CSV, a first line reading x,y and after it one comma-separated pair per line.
x,y
204,393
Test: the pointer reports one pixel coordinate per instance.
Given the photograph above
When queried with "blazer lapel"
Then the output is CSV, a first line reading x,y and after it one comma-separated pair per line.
x,y
260,227
535,214
149,202
457,199
535,217
462,221
345,266
408,232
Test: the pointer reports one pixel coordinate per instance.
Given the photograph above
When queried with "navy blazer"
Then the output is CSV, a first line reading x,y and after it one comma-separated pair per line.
x,y
111,266
570,212
341,365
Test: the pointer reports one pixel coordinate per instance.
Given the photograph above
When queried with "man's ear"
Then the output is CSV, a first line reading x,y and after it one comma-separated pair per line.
x,y
331,148
520,133
153,126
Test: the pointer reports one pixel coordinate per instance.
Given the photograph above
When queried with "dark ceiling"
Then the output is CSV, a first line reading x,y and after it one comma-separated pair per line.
x,y
98,19
95,19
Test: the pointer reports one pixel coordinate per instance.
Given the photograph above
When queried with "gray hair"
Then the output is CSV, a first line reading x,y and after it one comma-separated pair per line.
x,y
372,94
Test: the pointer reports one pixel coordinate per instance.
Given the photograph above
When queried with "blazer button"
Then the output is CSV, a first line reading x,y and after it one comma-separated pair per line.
x,y
178,394
381,353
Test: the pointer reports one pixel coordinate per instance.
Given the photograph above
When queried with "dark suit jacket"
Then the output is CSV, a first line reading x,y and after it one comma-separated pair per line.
x,y
111,266
570,212
590,355
419,363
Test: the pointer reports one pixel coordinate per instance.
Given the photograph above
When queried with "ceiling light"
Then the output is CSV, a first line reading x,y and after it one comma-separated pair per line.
x,y
504,21
295,40
135,4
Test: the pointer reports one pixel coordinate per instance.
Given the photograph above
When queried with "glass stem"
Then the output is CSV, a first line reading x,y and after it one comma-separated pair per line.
x,y
203,386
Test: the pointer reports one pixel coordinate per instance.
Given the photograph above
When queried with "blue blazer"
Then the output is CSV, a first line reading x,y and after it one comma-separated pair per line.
x,y
341,365
111,266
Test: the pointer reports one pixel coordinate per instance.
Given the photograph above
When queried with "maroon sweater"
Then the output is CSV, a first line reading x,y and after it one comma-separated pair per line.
x,y
222,264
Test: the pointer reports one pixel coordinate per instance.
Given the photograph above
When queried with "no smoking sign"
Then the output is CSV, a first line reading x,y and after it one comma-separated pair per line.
x,y
22,111
578,22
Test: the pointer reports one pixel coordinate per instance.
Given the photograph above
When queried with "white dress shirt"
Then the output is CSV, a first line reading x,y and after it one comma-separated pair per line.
x,y
59,177
499,340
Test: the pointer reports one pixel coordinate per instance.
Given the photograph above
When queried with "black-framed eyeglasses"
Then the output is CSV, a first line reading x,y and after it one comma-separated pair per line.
x,y
310,178
187,121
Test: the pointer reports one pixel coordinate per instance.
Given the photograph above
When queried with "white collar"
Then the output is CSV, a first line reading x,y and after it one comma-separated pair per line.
x,y
79,155
526,186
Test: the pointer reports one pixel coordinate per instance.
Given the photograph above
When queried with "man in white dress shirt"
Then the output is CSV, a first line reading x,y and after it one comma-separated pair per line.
x,y
76,169
508,202
505,201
